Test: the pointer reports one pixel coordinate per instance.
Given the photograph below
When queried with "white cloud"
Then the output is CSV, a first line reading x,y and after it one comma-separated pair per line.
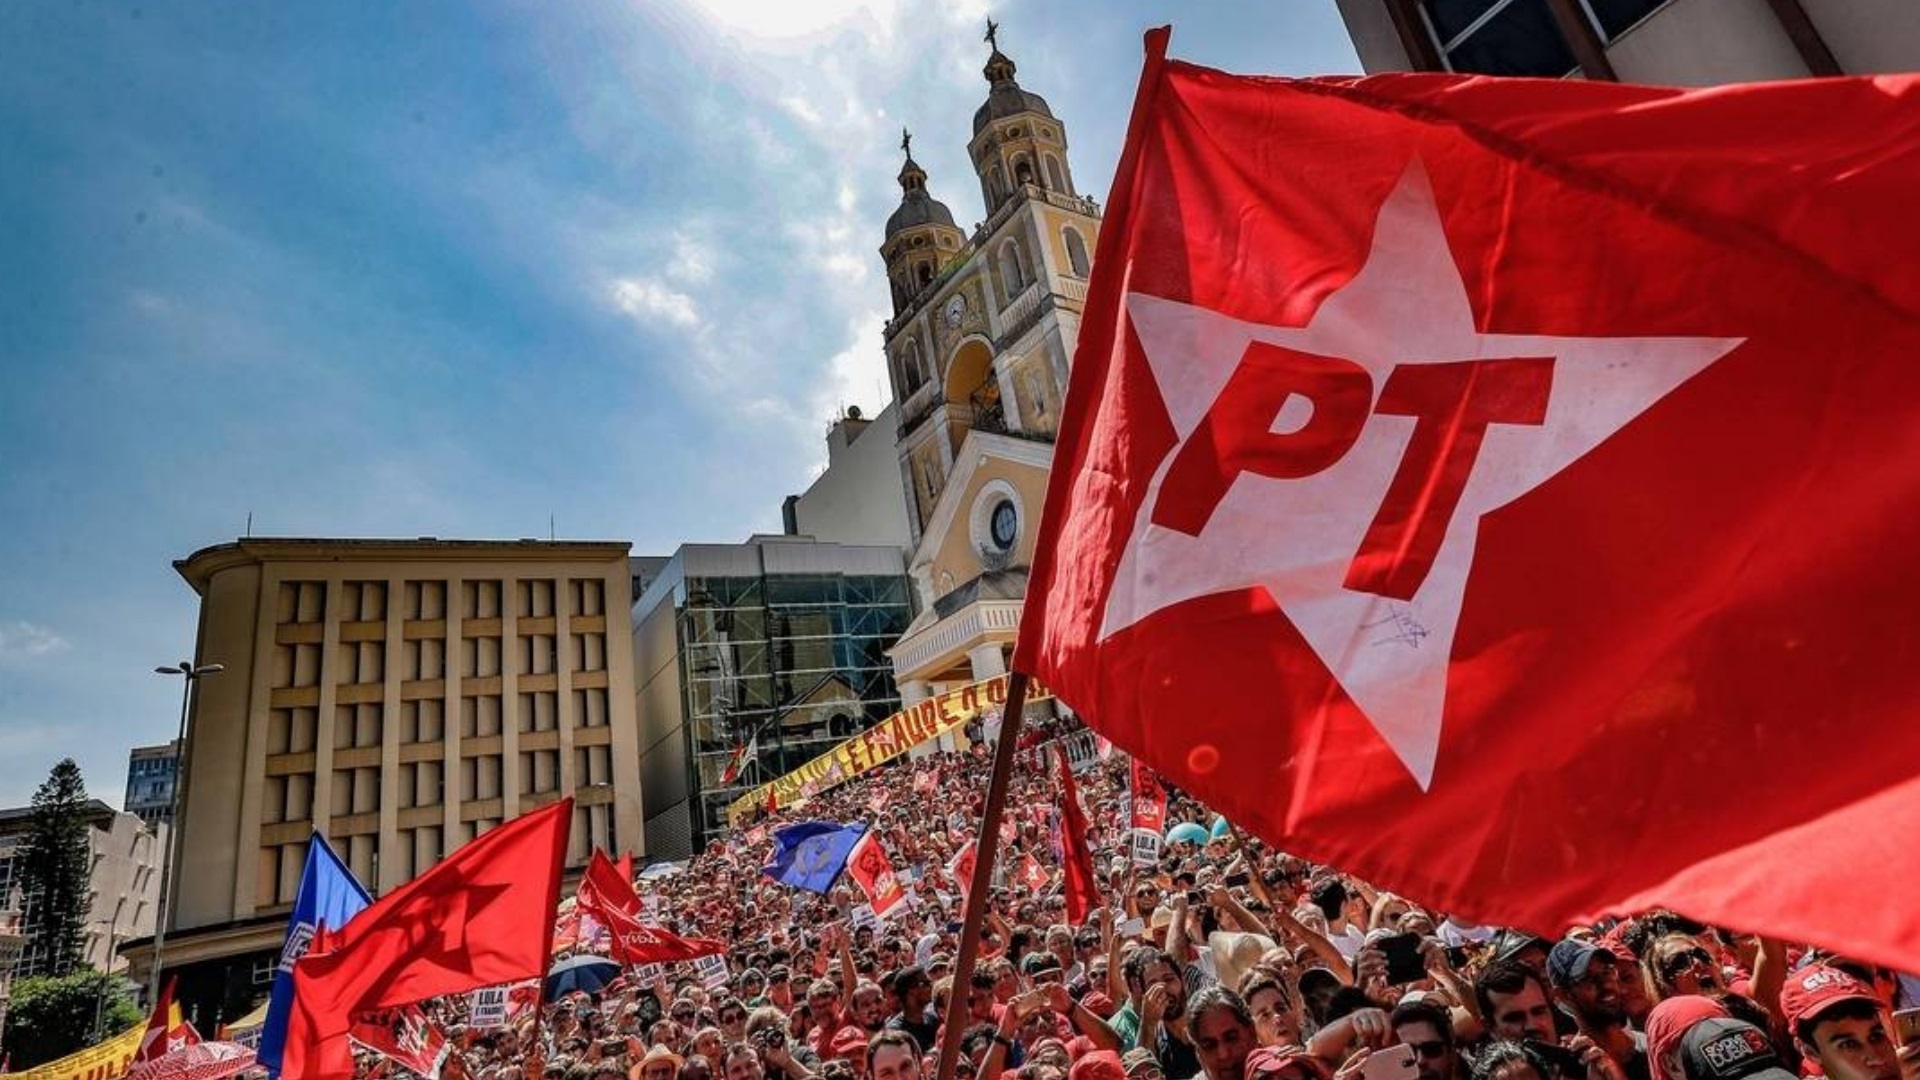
x,y
20,640
649,302
693,259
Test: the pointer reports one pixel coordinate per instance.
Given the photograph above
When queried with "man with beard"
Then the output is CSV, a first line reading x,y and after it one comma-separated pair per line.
x,y
1222,1031
1586,980
1154,1016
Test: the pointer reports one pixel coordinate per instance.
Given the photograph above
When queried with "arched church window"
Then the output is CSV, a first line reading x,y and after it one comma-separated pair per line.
x,y
1076,251
1013,270
1022,170
1056,180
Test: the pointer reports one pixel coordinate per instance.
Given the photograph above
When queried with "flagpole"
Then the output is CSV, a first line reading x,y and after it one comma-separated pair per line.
x,y
984,848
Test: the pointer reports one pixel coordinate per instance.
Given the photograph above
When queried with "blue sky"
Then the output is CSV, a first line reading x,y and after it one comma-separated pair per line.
x,y
396,269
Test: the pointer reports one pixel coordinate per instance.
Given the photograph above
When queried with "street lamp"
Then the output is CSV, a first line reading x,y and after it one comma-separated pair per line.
x,y
190,675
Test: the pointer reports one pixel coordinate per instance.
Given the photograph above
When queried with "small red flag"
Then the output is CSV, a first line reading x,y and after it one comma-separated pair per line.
x,y
870,868
1076,853
166,1030
1512,461
406,1036
483,916
611,900
624,866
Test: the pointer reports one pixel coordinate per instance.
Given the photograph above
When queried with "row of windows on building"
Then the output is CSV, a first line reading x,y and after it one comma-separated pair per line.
x,y
298,665
366,601
363,725
423,784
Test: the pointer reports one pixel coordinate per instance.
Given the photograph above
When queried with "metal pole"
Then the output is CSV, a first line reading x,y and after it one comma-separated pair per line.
x,y
162,908
985,846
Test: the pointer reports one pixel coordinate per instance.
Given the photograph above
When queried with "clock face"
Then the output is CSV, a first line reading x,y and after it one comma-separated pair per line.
x,y
1006,526
956,310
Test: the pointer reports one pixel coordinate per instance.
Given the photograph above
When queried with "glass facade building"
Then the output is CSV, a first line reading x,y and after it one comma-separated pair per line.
x,y
780,642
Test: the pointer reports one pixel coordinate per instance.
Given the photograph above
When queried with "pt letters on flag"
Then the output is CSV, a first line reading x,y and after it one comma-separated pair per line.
x,y
1501,489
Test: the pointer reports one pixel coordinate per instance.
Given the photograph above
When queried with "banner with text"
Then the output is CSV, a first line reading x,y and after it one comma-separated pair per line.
x,y
106,1061
883,742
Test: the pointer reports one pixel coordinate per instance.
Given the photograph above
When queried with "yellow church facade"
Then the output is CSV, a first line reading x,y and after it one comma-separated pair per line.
x,y
978,350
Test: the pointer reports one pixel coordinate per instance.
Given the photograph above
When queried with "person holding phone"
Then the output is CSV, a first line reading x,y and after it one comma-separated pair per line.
x,y
1840,1022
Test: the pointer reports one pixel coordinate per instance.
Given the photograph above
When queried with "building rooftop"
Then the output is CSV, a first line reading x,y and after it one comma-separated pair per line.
x,y
199,567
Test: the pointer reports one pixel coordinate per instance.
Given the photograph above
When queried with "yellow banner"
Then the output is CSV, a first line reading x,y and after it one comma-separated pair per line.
x,y
107,1061
883,742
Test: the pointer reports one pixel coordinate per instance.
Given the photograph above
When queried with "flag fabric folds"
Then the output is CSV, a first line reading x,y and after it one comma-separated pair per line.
x,y
405,1036
870,868
742,754
167,1030
810,854
483,916
1463,480
1076,852
609,897
329,896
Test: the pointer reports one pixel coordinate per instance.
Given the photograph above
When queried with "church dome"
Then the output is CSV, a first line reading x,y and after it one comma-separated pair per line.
x,y
917,206
1004,96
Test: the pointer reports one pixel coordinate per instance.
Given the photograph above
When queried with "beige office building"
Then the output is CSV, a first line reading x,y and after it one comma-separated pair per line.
x,y
402,696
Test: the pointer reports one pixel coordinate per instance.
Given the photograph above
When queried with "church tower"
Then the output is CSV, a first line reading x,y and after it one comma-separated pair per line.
x,y
978,348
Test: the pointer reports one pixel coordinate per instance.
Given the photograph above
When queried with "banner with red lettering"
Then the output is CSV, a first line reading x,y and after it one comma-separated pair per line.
x,y
1149,799
881,743
870,868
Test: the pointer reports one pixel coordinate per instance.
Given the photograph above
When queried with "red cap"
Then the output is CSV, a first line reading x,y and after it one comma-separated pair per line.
x,y
851,1042
1268,1061
1813,989
1099,1004
1099,1065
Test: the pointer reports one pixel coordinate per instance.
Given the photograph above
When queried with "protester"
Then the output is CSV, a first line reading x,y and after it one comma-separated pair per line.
x,y
1245,964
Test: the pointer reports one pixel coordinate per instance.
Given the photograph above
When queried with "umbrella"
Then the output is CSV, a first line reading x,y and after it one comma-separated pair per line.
x,y
1189,833
580,974
201,1061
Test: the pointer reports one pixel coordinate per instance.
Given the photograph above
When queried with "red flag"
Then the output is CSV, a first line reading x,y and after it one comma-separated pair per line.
x,y
624,866
611,899
404,1036
482,916
741,755
869,866
167,1030
1032,874
1522,463
1076,854
960,868
1149,799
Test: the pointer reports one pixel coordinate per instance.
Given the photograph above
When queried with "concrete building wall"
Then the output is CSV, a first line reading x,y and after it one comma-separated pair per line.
x,y
124,887
858,499
403,696
1869,37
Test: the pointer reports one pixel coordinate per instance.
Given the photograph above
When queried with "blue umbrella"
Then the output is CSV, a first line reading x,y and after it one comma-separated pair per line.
x,y
582,974
1188,832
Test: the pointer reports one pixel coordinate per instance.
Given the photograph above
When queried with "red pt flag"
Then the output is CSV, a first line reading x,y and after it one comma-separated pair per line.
x,y
1083,894
481,917
1502,489
611,899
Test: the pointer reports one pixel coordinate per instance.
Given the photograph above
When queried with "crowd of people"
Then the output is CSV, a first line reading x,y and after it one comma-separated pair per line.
x,y
1224,959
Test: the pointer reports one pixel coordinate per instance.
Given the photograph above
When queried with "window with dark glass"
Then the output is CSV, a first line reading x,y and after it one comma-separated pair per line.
x,y
1499,37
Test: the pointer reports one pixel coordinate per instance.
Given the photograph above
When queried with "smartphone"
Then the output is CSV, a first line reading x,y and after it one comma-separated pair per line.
x,y
1131,928
1561,1059
1237,881
1906,1027
1457,957
1404,962
1396,1062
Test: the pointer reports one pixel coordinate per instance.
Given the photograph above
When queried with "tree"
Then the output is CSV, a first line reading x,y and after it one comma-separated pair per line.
x,y
52,1017
53,869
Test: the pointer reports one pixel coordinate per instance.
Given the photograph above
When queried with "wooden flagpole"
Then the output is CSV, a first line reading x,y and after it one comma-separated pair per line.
x,y
985,846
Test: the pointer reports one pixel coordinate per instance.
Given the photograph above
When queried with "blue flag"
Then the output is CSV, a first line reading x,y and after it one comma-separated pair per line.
x,y
810,854
329,896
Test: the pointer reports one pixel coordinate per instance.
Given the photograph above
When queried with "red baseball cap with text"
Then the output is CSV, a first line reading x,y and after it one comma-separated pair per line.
x,y
1816,988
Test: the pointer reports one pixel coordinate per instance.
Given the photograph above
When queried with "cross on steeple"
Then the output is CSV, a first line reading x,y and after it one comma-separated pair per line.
x,y
993,31
906,142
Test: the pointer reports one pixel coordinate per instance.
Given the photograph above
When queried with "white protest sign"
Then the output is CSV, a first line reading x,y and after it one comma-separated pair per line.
x,y
1146,847
489,1008
863,916
712,971
649,975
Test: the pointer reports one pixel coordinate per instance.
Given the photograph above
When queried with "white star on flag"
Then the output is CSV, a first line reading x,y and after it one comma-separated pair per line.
x,y
1297,537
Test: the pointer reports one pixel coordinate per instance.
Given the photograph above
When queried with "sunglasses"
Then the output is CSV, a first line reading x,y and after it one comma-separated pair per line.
x,y
732,1017
1684,959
